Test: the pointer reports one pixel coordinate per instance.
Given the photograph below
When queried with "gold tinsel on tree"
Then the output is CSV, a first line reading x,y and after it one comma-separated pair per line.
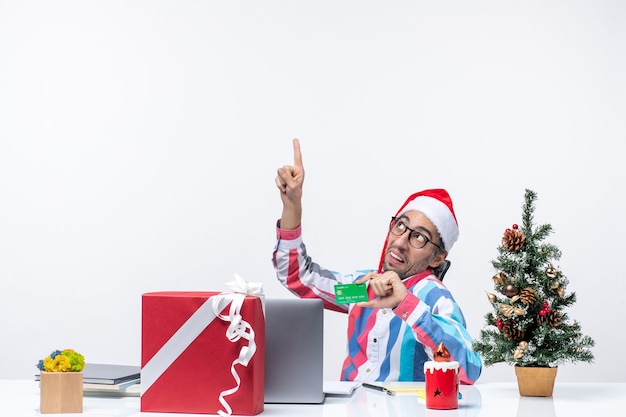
x,y
528,325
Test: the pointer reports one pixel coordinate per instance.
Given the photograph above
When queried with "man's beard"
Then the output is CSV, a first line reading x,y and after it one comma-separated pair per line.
x,y
414,270
406,273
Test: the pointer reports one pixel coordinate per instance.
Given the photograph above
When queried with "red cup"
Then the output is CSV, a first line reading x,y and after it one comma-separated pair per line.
x,y
442,385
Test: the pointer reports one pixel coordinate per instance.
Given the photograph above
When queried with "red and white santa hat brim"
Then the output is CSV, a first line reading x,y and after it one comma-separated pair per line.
x,y
436,204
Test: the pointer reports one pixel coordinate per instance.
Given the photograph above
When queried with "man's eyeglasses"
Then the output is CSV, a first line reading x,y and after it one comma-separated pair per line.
x,y
416,239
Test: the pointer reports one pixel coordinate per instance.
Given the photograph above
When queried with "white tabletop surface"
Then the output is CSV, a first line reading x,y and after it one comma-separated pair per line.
x,y
21,398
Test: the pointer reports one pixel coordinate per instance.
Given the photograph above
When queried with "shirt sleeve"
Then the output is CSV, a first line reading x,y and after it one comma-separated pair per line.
x,y
299,274
435,317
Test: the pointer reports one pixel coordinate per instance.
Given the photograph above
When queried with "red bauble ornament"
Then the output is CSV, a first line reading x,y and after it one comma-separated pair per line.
x,y
515,226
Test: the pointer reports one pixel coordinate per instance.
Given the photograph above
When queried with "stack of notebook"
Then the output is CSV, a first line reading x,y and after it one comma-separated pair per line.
x,y
99,378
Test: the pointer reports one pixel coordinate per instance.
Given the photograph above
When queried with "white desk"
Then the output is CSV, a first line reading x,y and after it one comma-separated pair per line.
x,y
20,398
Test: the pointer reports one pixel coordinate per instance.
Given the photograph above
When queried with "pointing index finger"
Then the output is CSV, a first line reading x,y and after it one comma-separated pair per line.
x,y
297,155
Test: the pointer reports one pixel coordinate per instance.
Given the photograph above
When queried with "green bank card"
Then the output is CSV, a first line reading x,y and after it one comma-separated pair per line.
x,y
350,293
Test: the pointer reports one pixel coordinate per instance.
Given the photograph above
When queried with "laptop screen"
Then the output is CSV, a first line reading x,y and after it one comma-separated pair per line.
x,y
294,351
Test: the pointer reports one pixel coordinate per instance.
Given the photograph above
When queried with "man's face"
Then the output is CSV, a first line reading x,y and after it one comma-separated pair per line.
x,y
405,259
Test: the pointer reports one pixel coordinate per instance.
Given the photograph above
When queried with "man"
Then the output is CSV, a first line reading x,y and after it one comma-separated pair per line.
x,y
409,312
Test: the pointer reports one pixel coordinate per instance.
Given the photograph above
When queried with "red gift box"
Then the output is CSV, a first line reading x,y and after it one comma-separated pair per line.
x,y
189,364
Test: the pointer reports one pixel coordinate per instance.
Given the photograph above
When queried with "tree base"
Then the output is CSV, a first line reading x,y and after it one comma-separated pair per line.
x,y
535,381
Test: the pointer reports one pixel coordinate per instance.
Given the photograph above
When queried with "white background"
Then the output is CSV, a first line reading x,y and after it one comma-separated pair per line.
x,y
139,142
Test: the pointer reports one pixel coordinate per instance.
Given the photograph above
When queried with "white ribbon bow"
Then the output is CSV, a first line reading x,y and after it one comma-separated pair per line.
x,y
238,327
242,286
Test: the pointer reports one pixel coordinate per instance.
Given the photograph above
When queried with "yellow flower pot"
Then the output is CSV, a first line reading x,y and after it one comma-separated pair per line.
x,y
535,381
61,392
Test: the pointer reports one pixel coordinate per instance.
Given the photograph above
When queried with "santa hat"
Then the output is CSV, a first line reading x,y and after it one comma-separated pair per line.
x,y
436,204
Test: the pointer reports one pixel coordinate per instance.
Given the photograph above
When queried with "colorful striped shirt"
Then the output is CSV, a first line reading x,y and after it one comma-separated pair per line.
x,y
383,344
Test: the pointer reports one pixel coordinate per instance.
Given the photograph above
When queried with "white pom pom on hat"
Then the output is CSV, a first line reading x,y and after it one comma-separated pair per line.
x,y
436,204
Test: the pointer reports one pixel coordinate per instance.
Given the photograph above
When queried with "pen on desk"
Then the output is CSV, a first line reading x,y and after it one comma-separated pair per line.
x,y
378,388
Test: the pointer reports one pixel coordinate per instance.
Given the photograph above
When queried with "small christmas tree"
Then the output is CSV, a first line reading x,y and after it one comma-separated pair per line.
x,y
528,325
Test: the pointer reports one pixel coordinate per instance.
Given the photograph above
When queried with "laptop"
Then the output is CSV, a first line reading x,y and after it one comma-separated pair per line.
x,y
294,351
